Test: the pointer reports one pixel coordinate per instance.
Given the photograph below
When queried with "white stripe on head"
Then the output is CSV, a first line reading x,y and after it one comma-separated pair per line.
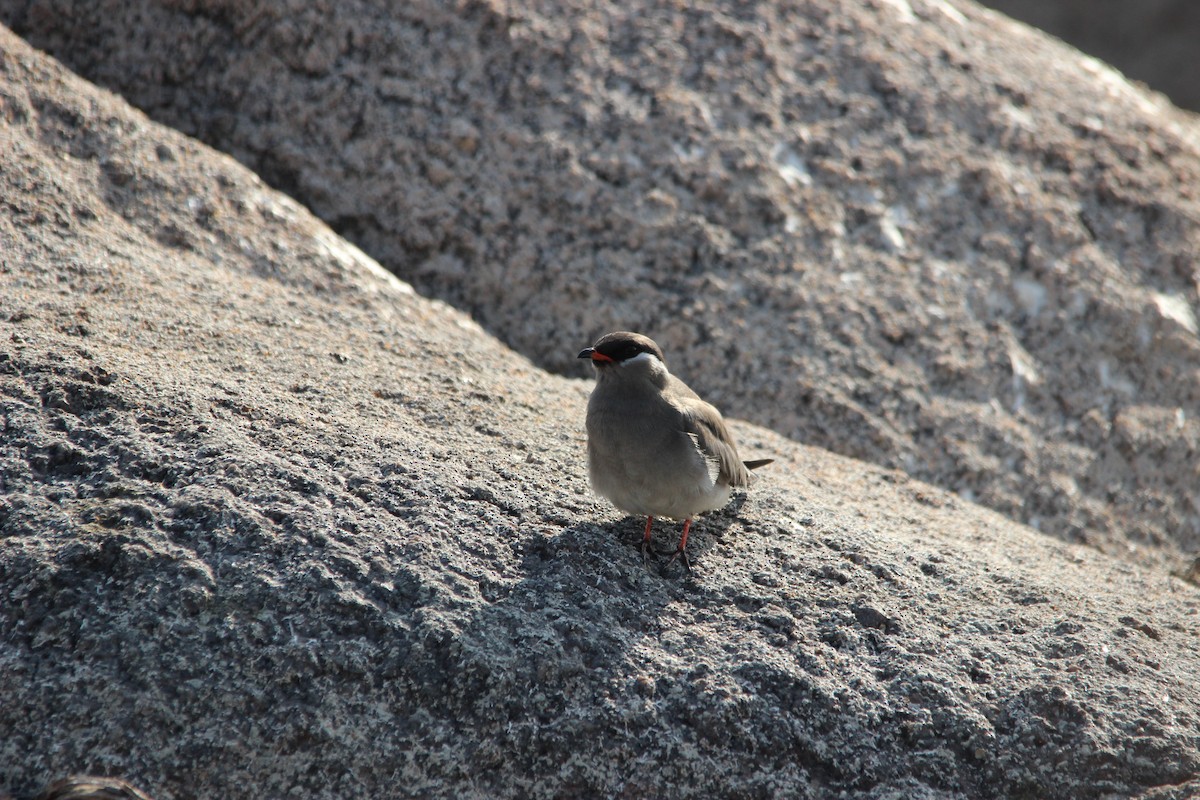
x,y
640,358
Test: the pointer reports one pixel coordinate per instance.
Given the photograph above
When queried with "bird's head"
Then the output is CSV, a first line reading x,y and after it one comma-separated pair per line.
x,y
626,352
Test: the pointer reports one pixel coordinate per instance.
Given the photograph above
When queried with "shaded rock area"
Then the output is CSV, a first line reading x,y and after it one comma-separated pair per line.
x,y
1152,41
909,231
272,524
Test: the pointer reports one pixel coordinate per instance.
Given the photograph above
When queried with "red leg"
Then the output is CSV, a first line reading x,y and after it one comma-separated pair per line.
x,y
687,525
646,539
681,551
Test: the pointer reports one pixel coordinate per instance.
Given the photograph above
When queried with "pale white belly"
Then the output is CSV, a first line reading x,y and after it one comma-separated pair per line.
x,y
680,494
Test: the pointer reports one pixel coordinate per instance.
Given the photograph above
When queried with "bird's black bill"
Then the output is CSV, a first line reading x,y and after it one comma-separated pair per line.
x,y
762,462
596,356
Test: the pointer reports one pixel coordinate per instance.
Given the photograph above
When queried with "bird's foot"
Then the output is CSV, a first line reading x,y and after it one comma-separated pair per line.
x,y
646,554
681,554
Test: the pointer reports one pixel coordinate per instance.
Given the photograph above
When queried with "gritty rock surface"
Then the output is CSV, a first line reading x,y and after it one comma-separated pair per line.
x,y
272,524
910,232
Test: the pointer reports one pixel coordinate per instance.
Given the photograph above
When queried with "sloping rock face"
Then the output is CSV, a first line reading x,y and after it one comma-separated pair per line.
x,y
271,524
912,232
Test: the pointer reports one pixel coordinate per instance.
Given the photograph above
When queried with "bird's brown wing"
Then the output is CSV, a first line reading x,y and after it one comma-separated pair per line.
x,y
703,423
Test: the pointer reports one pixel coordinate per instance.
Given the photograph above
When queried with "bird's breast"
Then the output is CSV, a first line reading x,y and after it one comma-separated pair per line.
x,y
646,464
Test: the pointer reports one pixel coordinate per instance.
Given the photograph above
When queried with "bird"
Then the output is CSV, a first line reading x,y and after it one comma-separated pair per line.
x,y
654,447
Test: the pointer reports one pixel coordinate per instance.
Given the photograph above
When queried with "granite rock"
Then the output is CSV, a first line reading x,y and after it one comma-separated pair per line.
x,y
273,524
